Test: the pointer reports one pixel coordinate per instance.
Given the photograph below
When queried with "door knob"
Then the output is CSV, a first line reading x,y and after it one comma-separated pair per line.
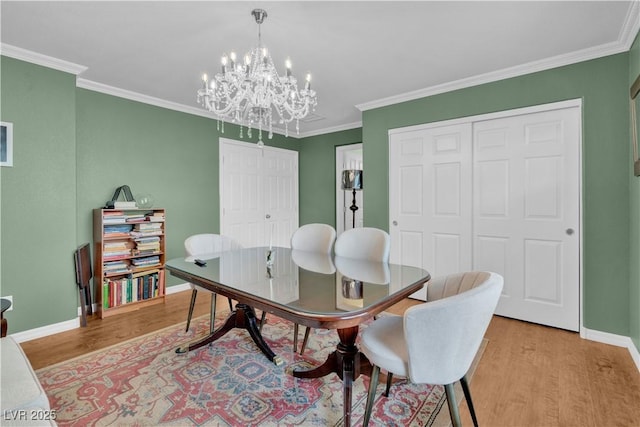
x,y
267,216
395,222
569,231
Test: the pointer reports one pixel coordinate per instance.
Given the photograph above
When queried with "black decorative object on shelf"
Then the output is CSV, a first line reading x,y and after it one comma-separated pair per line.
x,y
128,197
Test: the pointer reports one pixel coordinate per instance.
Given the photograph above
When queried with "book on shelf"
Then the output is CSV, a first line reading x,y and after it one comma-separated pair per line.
x,y
146,261
147,239
155,217
132,217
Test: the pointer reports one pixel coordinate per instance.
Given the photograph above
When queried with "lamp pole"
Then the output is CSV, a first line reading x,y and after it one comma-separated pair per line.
x,y
354,208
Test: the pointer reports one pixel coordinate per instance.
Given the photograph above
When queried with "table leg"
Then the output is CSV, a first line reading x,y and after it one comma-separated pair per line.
x,y
347,362
243,317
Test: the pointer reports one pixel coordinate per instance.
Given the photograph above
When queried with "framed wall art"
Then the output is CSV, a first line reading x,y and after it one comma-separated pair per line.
x,y
6,144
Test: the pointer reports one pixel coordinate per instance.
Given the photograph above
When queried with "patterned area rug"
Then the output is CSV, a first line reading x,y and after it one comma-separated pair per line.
x,y
143,382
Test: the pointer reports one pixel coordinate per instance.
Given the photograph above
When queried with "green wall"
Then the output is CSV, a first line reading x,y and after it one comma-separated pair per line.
x,y
72,148
634,198
603,86
317,164
38,195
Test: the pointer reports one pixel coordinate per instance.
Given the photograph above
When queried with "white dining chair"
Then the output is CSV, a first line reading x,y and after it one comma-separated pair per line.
x,y
434,342
315,238
202,244
366,243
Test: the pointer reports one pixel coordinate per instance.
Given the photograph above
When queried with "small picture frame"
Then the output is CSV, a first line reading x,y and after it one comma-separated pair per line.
x,y
6,144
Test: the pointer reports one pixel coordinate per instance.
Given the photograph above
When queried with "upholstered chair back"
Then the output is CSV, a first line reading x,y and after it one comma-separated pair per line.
x,y
314,238
365,243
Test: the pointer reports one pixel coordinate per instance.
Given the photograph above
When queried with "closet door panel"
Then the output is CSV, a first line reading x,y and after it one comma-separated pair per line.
x,y
526,190
430,199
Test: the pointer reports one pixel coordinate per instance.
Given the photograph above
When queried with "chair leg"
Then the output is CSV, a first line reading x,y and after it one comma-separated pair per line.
x,y
453,407
295,337
371,395
467,396
83,307
194,293
212,315
87,292
389,379
305,340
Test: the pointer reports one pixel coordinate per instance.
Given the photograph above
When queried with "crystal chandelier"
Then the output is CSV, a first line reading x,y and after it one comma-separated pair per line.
x,y
247,94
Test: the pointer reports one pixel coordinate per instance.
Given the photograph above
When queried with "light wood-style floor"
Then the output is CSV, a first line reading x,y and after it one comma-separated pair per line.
x,y
529,375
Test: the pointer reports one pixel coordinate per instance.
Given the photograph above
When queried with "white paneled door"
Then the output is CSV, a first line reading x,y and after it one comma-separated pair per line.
x,y
498,193
527,213
258,193
430,199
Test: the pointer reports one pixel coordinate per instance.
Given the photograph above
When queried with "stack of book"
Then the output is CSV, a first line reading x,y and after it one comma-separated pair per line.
x,y
146,229
113,217
117,230
155,217
116,250
133,216
146,261
147,245
113,267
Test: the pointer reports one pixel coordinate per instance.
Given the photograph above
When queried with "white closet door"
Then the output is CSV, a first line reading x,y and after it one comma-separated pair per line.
x,y
258,193
498,192
526,213
430,199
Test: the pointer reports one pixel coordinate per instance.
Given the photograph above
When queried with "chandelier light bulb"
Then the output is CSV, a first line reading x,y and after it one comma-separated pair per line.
x,y
287,64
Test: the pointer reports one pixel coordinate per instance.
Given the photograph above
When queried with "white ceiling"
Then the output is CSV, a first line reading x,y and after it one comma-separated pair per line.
x,y
362,54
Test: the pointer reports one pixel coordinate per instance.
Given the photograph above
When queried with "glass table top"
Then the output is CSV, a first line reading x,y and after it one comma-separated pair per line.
x,y
305,281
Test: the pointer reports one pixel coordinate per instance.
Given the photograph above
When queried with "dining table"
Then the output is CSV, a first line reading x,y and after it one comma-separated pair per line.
x,y
311,289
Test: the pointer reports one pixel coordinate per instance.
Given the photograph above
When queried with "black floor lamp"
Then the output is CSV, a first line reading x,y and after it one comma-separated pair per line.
x,y
352,180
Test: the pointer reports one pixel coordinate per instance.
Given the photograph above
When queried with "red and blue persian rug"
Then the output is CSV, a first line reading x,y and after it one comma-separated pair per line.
x,y
143,382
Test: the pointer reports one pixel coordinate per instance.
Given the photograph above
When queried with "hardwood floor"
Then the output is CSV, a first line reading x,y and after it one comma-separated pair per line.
x,y
529,375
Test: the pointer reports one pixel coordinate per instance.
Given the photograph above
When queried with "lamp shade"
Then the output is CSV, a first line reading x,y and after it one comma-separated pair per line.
x,y
352,179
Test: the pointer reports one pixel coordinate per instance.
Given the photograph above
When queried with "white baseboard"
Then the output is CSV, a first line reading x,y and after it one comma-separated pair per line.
x,y
613,339
67,325
44,331
178,288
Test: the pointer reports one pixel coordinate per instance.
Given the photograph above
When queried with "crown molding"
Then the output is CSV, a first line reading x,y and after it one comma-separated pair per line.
x,y
324,131
139,97
631,26
39,59
626,38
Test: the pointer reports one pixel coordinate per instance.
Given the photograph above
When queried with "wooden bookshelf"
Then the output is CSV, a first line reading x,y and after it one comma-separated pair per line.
x,y
129,247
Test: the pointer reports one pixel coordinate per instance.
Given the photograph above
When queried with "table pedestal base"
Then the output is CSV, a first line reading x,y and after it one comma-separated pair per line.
x,y
347,362
243,317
